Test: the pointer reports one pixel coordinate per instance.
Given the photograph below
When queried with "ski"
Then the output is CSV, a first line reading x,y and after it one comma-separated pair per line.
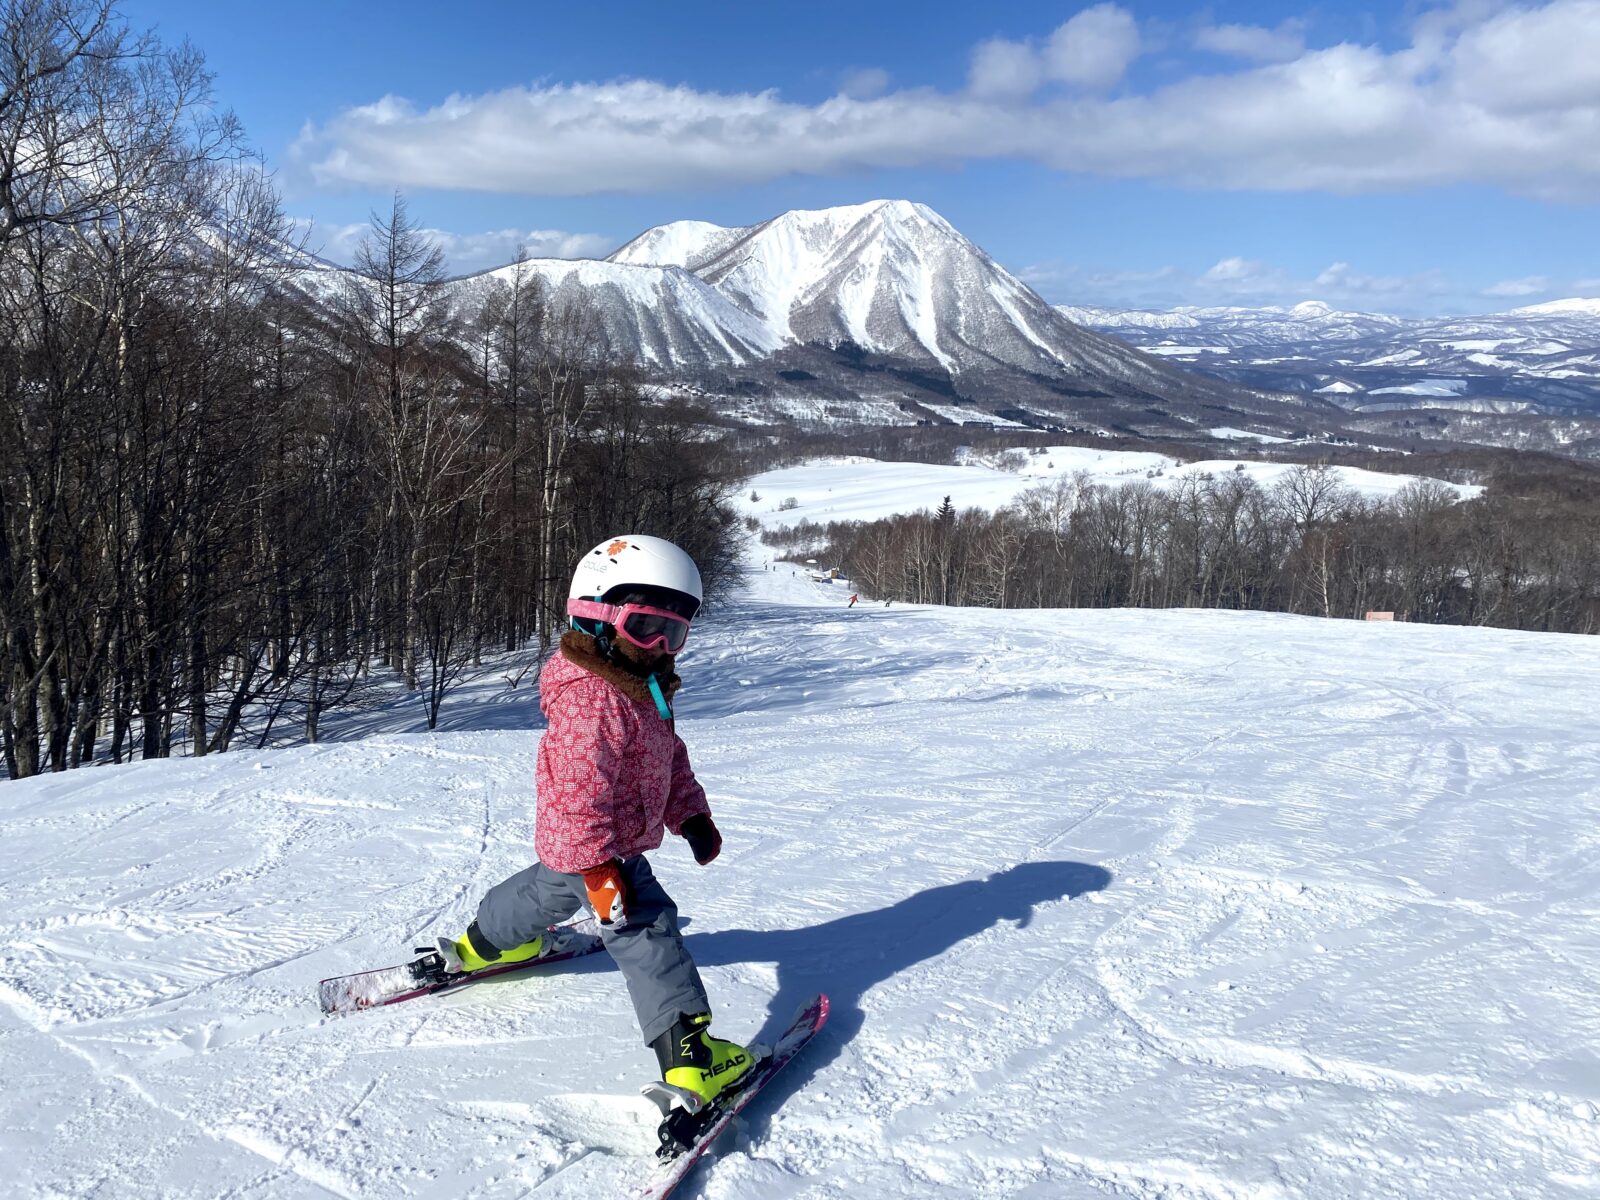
x,y
686,1137
425,975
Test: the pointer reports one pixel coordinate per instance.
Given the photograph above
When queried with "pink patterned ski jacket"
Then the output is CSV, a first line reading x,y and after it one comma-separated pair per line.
x,y
611,772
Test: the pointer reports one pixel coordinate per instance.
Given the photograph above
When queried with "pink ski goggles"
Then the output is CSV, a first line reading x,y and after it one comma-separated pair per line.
x,y
647,628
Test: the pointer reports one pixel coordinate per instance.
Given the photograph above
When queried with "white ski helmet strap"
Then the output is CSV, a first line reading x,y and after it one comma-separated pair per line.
x,y
637,559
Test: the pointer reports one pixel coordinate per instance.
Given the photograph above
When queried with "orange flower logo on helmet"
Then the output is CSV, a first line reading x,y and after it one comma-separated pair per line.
x,y
616,547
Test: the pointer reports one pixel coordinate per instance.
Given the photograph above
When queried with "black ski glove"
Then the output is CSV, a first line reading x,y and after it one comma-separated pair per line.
x,y
704,840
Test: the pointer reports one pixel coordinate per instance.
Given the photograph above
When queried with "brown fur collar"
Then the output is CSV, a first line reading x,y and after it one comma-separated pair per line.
x,y
581,650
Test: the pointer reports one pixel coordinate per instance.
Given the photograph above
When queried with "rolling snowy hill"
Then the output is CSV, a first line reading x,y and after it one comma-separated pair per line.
x,y
1528,378
1189,905
861,489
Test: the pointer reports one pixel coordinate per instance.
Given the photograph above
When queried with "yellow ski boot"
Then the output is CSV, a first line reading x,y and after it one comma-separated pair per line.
x,y
473,952
694,1061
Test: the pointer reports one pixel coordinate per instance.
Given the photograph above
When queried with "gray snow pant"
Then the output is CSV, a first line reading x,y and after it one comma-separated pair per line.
x,y
661,977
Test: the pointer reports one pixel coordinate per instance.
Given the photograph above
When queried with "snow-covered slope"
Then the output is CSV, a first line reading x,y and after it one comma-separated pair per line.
x,y
862,489
1573,306
1191,905
657,316
685,244
1238,328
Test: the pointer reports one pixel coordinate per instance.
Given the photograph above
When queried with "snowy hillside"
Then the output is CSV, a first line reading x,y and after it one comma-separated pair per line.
x,y
658,317
1543,357
1237,328
1189,905
862,489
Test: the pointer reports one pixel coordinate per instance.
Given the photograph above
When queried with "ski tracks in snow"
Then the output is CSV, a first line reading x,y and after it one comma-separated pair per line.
x,y
1189,906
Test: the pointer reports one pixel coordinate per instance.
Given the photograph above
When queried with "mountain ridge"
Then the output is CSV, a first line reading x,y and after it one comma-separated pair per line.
x,y
1528,377
893,283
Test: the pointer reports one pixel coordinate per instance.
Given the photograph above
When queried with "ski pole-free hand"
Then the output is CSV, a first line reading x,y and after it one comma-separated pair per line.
x,y
608,892
700,831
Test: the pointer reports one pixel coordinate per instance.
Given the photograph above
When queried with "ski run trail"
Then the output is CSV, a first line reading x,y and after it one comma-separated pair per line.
x,y
1170,904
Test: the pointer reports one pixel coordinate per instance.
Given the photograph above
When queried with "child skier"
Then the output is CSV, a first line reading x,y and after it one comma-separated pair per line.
x,y
612,775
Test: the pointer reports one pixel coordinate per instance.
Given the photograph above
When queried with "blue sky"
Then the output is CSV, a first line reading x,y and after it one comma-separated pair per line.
x,y
1413,158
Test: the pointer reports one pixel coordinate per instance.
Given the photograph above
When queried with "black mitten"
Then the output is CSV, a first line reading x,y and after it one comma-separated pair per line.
x,y
704,840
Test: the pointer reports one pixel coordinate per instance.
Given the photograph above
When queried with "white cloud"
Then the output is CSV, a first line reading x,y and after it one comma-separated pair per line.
x,y
1341,279
1254,42
1531,285
1484,94
1002,69
469,252
1526,61
1094,48
1090,50
1050,278
465,253
1237,280
863,83
1237,272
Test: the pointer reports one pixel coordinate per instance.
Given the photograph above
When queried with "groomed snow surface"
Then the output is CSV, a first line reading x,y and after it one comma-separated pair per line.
x,y
1110,903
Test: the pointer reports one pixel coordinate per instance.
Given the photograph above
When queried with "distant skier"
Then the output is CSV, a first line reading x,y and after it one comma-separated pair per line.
x,y
612,776
853,600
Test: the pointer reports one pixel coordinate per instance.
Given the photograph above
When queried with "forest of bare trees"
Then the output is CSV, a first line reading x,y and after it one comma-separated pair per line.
x,y
1308,545
227,500
238,492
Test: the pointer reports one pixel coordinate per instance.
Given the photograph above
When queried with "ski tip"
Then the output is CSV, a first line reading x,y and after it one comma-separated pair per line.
x,y
334,998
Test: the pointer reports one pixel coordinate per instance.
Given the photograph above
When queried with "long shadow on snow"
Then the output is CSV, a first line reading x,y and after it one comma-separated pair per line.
x,y
848,956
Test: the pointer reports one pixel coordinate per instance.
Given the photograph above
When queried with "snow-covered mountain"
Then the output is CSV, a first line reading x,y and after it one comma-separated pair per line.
x,y
1542,360
1363,353
883,305
663,318
884,313
892,277
1238,328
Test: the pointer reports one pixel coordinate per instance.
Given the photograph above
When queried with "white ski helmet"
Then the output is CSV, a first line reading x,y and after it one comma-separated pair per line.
x,y
638,561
